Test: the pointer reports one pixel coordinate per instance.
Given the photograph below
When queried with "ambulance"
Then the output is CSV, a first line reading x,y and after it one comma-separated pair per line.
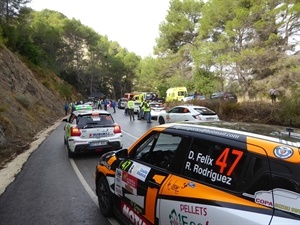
x,y
176,94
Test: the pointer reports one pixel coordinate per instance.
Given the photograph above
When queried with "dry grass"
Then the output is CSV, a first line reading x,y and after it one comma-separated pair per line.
x,y
259,111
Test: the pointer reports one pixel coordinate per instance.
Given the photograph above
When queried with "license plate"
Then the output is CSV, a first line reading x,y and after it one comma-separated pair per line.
x,y
98,143
210,118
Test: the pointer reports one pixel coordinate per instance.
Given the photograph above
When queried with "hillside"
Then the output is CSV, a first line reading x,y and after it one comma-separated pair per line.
x,y
30,102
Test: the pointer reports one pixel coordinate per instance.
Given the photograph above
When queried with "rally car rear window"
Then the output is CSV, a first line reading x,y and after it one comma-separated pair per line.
x,y
94,119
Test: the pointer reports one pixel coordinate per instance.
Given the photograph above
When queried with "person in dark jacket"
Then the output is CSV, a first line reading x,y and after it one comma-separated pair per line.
x,y
114,105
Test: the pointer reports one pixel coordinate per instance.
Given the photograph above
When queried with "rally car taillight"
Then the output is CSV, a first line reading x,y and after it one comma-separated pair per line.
x,y
117,129
75,131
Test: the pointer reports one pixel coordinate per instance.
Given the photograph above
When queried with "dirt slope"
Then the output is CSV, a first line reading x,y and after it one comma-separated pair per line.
x,y
29,104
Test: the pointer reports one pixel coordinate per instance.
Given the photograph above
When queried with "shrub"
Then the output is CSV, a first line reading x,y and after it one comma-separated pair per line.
x,y
24,101
2,109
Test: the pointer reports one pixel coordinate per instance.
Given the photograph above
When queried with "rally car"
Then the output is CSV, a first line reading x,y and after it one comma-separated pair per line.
x,y
91,131
204,173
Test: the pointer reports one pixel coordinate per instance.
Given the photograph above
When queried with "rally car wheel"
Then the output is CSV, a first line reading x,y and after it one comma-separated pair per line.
x,y
70,153
104,197
161,120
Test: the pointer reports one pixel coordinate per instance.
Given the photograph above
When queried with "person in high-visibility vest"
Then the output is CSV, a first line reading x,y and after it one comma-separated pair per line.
x,y
130,104
147,111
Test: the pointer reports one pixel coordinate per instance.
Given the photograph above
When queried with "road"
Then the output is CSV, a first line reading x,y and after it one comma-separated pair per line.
x,y
52,189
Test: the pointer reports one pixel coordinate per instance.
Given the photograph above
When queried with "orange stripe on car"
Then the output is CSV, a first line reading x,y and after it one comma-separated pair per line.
x,y
150,204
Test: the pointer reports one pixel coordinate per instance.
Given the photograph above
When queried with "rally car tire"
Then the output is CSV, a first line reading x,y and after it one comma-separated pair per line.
x,y
105,199
161,120
70,153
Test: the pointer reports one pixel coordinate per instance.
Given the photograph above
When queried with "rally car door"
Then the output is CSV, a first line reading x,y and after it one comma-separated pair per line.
x,y
140,185
143,175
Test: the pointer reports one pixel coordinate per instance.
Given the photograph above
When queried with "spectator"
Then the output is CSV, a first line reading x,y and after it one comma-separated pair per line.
x,y
99,104
73,108
272,93
113,105
105,103
66,108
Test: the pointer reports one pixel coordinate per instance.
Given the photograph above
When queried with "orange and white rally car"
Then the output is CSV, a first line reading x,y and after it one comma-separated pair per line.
x,y
206,173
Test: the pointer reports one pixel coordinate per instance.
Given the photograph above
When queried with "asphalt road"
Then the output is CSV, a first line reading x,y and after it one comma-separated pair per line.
x,y
52,189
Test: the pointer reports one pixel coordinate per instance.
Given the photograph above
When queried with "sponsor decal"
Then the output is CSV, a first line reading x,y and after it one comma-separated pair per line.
x,y
284,200
209,131
118,182
283,152
126,165
167,117
139,171
136,207
104,163
129,182
100,134
193,209
205,165
183,219
176,188
134,217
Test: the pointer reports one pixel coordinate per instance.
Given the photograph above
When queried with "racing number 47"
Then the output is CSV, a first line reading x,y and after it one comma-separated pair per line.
x,y
223,159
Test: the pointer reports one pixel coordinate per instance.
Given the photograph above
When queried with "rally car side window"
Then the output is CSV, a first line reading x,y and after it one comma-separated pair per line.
x,y
158,150
214,164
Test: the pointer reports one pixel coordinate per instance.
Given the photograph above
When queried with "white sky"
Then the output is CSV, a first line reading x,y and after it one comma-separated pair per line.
x,y
134,24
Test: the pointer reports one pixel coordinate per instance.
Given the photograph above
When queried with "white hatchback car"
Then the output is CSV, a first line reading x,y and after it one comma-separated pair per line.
x,y
91,131
156,109
187,113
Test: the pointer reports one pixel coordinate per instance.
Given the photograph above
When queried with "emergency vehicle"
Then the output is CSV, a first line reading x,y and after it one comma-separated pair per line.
x,y
176,94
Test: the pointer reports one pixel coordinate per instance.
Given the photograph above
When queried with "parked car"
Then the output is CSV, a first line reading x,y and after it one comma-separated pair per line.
x,y
91,131
191,97
225,96
156,108
122,102
203,173
187,112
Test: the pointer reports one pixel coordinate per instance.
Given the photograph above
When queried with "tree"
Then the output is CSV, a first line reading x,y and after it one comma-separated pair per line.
x,y
9,9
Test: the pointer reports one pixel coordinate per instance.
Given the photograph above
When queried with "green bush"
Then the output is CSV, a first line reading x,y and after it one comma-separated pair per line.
x,y
65,91
2,109
24,101
288,110
2,39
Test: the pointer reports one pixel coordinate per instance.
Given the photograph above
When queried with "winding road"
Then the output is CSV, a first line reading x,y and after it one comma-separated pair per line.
x,y
52,189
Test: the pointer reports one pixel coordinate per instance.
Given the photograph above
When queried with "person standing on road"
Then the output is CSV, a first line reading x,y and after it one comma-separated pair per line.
x,y
105,103
141,111
73,108
147,111
113,105
131,108
99,104
66,108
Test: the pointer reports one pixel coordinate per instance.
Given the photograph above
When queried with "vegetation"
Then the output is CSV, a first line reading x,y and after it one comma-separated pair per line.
x,y
244,46
210,46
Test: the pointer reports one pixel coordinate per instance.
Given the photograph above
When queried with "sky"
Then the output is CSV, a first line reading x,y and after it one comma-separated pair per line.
x,y
134,24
